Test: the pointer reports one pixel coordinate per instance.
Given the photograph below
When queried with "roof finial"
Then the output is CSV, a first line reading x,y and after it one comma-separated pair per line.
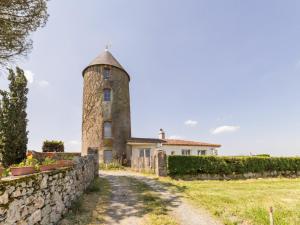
x,y
107,46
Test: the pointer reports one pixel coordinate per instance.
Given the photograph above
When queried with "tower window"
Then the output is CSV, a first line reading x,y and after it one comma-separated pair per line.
x,y
106,73
107,129
107,95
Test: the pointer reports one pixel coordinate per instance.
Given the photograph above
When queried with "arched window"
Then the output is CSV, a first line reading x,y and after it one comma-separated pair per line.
x,y
107,95
107,129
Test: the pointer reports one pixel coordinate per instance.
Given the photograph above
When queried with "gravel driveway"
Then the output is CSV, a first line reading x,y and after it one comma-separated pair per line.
x,y
125,209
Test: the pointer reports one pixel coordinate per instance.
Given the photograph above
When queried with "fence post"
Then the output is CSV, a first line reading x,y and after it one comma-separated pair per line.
x,y
271,216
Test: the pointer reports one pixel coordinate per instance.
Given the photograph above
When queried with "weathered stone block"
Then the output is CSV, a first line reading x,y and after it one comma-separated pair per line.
x,y
4,198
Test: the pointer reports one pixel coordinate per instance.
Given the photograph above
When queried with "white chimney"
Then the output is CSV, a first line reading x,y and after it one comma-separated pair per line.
x,y
161,134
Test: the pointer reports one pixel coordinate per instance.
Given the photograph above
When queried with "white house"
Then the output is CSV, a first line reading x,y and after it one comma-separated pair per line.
x,y
145,147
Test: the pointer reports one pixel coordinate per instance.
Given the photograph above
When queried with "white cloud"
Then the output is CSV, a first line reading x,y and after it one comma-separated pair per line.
x,y
225,129
43,83
29,76
74,142
191,123
175,137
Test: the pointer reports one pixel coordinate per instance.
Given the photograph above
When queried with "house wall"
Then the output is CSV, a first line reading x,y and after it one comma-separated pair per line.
x,y
156,163
136,149
142,163
194,149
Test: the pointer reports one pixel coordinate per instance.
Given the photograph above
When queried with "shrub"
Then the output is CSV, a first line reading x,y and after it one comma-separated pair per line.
x,y
193,165
53,146
48,161
114,165
263,155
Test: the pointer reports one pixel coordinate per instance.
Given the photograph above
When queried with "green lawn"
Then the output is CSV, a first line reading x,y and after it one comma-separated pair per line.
x,y
245,201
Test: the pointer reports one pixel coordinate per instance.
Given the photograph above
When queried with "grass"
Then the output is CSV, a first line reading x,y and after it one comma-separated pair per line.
x,y
90,208
154,207
111,166
244,201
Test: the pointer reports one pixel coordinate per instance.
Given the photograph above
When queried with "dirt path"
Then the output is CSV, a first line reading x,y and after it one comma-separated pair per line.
x,y
126,209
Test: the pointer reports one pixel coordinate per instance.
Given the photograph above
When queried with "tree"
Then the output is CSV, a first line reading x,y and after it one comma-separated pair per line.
x,y
18,19
13,119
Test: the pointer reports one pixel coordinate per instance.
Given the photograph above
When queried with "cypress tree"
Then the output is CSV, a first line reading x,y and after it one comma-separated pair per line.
x,y
13,119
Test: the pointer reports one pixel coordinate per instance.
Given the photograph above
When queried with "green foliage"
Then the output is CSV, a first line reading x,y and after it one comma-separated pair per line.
x,y
27,162
53,146
18,19
263,155
48,161
95,186
193,165
111,166
5,172
67,156
77,205
13,119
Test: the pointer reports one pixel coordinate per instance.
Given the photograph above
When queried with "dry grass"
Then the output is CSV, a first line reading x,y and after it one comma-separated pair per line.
x,y
91,207
154,208
244,201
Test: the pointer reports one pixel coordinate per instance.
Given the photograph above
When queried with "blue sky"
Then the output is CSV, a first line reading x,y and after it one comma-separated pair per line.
x,y
225,72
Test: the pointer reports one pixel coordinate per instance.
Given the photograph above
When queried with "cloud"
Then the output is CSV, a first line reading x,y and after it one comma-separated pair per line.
x,y
29,76
74,142
225,129
191,123
73,146
175,137
43,83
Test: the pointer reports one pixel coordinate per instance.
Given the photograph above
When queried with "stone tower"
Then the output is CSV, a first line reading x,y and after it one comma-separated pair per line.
x,y
106,108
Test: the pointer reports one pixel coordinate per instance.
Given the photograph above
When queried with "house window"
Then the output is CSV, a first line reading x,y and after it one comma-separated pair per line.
x,y
107,129
145,152
142,153
173,153
107,95
106,73
107,156
201,152
186,152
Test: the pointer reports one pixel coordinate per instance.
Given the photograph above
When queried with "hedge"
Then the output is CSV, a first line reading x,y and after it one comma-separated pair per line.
x,y
193,165
53,146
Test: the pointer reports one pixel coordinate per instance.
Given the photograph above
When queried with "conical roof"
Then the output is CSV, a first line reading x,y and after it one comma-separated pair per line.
x,y
106,58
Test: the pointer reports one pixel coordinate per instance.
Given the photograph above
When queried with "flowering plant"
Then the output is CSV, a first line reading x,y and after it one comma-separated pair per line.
x,y
29,161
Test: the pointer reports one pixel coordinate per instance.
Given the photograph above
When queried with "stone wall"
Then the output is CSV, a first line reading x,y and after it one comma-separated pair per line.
x,y
42,198
96,111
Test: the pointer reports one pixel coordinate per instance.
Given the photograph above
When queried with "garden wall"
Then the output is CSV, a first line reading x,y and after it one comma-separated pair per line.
x,y
216,167
42,198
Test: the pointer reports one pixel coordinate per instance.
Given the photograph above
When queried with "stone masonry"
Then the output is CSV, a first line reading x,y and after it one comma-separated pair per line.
x,y
96,111
42,198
